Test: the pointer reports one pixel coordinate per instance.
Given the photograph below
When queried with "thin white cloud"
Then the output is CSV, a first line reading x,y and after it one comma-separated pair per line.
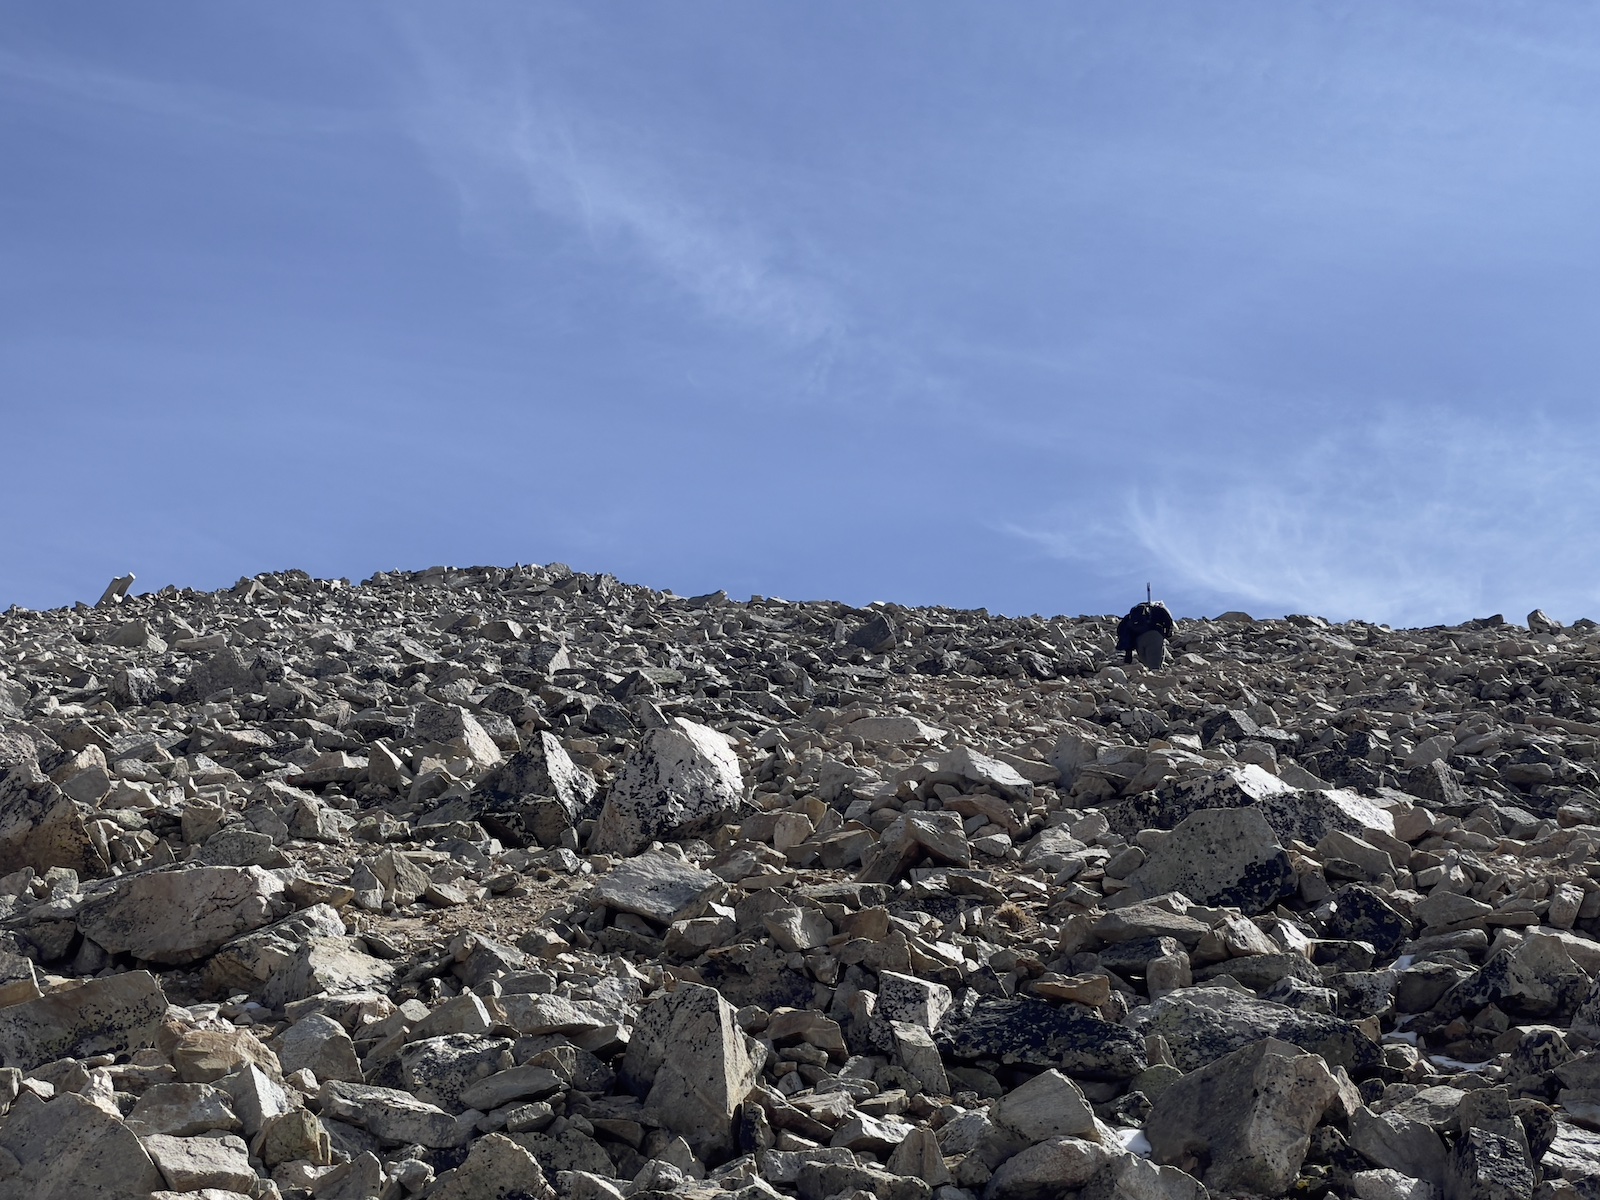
x,y
1416,519
497,138
192,104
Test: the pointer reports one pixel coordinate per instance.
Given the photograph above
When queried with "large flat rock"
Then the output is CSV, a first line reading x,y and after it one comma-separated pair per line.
x,y
660,887
114,1015
68,1149
177,917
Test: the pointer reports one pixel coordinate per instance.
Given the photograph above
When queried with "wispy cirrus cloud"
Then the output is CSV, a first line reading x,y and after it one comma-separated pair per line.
x,y
502,141
186,104
1412,519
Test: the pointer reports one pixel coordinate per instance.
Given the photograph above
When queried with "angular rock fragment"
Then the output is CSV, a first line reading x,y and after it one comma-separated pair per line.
x,y
1243,1122
224,671
495,1169
1130,1177
439,1069
182,1110
1203,1024
176,917
1047,1170
967,767
1393,1141
319,1044
1218,856
69,1149
682,781
1041,1034
41,828
392,1115
536,795
693,1067
1048,1105
102,1016
191,1164
1487,1166
660,887
1306,816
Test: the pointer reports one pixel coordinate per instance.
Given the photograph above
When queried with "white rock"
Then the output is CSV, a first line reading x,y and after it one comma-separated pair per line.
x,y
682,781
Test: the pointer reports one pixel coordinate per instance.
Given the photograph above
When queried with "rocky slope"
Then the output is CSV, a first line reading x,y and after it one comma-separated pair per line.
x,y
520,882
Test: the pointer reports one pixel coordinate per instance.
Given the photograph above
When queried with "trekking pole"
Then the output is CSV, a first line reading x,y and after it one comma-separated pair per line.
x,y
1147,593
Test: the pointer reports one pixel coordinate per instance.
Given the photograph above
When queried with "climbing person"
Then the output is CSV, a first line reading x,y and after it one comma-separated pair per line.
x,y
1144,631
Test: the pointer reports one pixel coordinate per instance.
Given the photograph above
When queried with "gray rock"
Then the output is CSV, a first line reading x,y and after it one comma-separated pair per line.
x,y
177,917
319,1044
324,964
1306,816
918,1055
42,828
1031,1031
255,1097
659,887
911,836
68,1149
1539,622
783,1166
1130,1177
534,796
1384,1184
1202,1024
116,591
969,769
1046,1106
538,1015
495,1169
518,1083
439,1069
693,1067
240,847
183,1109
1361,914
906,998
1534,979
189,1164
226,670
919,1156
798,929
296,1134
1487,1166
103,1016
1218,856
1243,1123
454,726
878,636
1400,1143
134,686
359,1179
897,730
1047,1169
392,1115
247,962
819,1179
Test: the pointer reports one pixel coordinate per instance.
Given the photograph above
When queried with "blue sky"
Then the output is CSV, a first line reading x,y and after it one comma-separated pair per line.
x,y
1281,307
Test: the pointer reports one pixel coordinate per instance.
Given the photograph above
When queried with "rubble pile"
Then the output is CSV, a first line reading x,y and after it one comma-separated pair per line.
x,y
527,883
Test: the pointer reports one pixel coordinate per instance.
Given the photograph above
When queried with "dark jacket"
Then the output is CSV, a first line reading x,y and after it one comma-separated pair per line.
x,y
1141,619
